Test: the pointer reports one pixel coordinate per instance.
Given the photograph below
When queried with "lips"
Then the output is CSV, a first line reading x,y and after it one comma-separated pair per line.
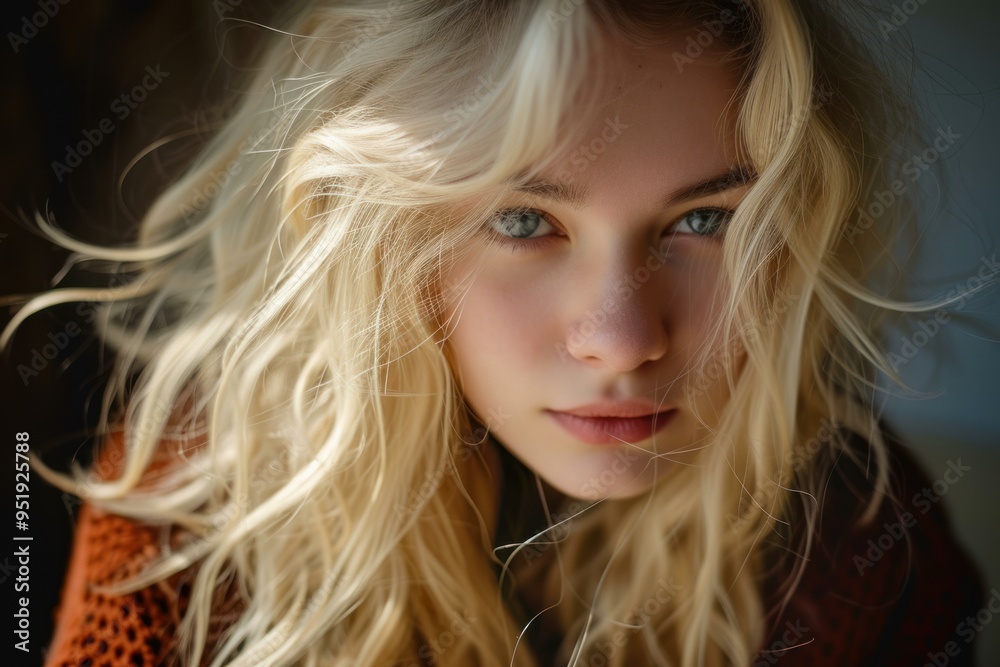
x,y
629,407
601,430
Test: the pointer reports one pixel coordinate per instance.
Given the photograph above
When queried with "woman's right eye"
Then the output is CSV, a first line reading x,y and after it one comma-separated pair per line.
x,y
518,223
515,227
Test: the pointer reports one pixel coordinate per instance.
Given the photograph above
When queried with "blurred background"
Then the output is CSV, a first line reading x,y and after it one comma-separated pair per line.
x,y
107,78
956,419
110,77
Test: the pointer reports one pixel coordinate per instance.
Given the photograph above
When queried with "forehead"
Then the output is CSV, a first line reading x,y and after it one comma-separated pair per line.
x,y
675,101
659,117
669,120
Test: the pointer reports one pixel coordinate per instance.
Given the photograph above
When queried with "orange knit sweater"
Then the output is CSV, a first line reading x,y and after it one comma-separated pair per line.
x,y
137,629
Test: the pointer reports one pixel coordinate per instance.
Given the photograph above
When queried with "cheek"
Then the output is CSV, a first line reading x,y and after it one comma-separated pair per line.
x,y
497,336
707,293
700,296
502,317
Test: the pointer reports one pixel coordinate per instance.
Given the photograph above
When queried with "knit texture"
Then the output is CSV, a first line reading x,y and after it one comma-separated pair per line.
x,y
137,629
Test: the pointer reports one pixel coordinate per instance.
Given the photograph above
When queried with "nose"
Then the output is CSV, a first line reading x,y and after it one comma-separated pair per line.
x,y
619,319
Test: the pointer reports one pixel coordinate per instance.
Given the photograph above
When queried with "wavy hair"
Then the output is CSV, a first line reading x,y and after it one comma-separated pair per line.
x,y
282,307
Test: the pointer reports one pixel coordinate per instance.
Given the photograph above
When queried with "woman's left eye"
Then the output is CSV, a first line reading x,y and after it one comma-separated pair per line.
x,y
704,221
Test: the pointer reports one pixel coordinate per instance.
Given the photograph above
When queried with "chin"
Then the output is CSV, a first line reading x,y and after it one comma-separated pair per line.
x,y
581,490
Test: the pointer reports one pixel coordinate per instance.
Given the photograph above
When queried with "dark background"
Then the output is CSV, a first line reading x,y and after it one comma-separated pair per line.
x,y
56,89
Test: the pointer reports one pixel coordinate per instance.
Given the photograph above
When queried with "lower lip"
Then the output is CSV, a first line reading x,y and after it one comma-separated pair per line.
x,y
610,430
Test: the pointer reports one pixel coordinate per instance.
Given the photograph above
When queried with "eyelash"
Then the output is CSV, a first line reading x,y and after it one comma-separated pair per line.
x,y
518,245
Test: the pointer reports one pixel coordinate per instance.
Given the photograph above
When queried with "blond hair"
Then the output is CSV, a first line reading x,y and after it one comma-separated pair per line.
x,y
291,322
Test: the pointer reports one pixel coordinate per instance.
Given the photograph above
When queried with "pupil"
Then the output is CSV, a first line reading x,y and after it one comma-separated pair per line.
x,y
704,221
521,226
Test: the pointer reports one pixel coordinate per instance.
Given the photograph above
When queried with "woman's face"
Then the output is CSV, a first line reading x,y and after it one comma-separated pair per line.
x,y
607,299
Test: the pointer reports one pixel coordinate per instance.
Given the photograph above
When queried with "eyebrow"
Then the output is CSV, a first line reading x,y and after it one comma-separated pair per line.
x,y
576,196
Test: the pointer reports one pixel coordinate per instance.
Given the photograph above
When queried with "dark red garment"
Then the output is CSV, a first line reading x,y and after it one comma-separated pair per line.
x,y
898,591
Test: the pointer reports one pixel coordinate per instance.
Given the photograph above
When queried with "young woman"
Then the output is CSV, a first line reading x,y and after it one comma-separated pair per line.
x,y
520,333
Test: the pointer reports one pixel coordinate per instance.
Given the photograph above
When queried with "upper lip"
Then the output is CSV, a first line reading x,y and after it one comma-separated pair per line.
x,y
631,407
